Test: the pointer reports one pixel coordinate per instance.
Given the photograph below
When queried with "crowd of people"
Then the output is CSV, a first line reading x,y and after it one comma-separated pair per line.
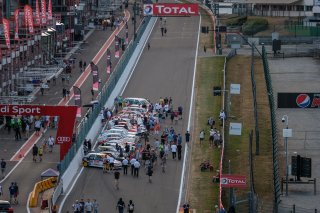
x,y
23,125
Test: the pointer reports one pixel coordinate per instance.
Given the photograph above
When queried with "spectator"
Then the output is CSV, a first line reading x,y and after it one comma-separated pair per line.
x,y
120,205
136,168
130,206
116,179
88,207
3,166
35,152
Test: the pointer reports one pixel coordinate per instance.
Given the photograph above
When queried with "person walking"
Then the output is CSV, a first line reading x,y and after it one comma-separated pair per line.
x,y
64,92
95,205
40,153
201,136
148,45
179,149
120,205
130,206
16,193
186,208
3,166
116,179
11,191
88,208
132,161
136,168
35,152
1,191
187,135
50,143
125,166
150,172
174,151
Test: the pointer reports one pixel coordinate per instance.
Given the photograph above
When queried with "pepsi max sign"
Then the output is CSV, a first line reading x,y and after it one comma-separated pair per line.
x,y
298,100
170,9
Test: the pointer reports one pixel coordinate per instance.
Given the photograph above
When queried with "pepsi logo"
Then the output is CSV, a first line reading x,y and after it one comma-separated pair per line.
x,y
148,9
303,100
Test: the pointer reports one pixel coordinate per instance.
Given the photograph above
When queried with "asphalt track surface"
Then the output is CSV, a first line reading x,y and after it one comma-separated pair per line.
x,y
26,173
164,70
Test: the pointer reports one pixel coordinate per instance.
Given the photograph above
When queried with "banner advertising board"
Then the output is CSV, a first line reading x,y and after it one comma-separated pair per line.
x,y
233,181
298,100
67,115
170,9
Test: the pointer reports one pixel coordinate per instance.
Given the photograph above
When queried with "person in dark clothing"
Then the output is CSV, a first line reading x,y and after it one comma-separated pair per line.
x,y
187,135
179,149
120,206
186,208
64,92
3,166
17,131
130,206
35,152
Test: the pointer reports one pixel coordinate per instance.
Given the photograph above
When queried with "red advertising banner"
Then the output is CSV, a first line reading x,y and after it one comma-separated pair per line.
x,y
67,115
127,34
171,9
28,16
43,12
233,181
38,21
77,100
50,10
6,31
108,61
117,47
95,77
16,24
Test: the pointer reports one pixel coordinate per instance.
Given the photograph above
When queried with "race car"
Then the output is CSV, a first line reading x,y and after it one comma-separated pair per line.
x,y
96,160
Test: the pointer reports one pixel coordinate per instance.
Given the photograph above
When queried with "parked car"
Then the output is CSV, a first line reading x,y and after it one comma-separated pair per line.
x,y
136,101
96,160
115,155
5,207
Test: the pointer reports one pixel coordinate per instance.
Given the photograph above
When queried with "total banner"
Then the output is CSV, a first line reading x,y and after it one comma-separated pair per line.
x,y
16,24
108,61
28,17
6,31
67,115
77,100
233,181
50,10
171,9
117,48
95,77
299,100
127,34
43,12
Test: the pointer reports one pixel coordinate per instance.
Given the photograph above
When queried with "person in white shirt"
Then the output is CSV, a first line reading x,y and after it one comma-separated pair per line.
x,y
132,165
88,207
211,137
37,126
111,162
174,150
50,143
125,166
136,168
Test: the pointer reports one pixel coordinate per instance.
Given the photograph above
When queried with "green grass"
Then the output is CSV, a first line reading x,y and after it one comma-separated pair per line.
x,y
203,194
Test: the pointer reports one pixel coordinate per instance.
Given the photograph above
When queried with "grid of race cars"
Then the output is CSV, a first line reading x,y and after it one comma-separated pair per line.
x,y
121,133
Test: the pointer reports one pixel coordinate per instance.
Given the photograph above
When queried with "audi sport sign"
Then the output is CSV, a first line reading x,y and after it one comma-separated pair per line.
x,y
171,9
66,114
233,181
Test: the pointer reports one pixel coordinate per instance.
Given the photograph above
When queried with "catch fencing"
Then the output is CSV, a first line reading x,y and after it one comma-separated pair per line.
x,y
276,178
106,91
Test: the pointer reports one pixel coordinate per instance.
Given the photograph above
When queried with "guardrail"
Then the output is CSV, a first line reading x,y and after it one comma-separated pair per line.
x,y
39,187
87,122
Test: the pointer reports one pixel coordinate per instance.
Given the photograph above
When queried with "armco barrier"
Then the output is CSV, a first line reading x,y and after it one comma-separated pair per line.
x,y
39,187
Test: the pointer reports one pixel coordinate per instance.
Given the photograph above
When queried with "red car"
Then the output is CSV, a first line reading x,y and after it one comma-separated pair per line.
x,y
5,206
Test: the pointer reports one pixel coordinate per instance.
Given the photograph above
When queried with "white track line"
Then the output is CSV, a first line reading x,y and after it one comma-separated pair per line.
x,y
80,172
189,120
